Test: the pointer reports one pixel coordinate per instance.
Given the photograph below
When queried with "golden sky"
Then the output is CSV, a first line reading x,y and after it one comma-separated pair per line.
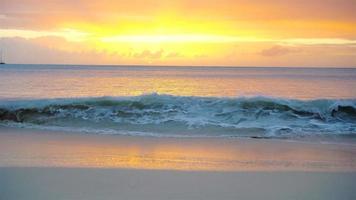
x,y
305,33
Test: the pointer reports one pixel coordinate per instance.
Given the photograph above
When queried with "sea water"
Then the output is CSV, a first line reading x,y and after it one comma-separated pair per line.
x,y
180,101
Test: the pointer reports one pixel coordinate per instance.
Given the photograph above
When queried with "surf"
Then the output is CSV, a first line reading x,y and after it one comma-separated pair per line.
x,y
186,116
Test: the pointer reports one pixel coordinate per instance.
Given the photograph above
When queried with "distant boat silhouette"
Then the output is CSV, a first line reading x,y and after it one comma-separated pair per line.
x,y
2,62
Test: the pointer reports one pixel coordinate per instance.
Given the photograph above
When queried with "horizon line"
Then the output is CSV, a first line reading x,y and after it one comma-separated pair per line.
x,y
201,66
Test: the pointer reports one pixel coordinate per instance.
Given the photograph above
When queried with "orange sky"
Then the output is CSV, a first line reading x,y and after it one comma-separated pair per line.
x,y
318,33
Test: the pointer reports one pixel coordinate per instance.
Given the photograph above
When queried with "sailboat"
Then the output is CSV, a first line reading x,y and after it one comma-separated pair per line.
x,y
2,62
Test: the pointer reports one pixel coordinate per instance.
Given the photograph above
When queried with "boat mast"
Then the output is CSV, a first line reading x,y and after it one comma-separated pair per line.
x,y
1,57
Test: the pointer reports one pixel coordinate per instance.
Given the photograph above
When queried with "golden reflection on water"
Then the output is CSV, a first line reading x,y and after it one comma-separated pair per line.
x,y
154,155
206,87
61,150
176,81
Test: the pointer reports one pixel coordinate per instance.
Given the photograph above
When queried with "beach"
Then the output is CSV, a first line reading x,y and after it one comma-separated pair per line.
x,y
177,100
143,132
43,148
94,184
42,164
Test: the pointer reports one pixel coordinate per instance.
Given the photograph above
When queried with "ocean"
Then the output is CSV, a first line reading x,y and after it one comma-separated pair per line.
x,y
180,101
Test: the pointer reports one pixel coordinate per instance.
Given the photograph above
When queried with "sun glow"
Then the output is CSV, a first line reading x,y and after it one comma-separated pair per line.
x,y
171,39
182,32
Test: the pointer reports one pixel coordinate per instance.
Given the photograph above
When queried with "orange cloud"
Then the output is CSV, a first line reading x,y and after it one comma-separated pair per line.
x,y
148,54
278,51
176,32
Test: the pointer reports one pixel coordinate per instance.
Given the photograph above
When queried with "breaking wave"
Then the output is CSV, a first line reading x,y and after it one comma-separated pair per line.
x,y
177,116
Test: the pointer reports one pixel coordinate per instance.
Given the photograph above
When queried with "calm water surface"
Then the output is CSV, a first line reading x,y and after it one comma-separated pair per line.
x,y
60,81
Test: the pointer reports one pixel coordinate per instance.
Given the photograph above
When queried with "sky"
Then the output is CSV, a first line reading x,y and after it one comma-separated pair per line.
x,y
293,33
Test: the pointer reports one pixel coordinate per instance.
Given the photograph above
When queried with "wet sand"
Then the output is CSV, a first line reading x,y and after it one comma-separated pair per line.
x,y
39,164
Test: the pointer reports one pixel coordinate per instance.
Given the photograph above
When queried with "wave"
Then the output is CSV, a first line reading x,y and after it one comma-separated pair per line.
x,y
166,115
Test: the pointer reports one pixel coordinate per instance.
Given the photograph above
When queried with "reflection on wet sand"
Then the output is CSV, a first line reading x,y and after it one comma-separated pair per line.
x,y
21,147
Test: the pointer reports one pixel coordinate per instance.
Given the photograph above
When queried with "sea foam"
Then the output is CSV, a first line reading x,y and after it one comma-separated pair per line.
x,y
180,116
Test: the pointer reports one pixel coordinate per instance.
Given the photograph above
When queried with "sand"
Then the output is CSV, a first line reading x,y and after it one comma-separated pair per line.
x,y
84,184
40,164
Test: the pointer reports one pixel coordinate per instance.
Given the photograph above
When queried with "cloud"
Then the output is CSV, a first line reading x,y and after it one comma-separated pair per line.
x,y
39,14
146,54
58,50
278,51
46,50
174,55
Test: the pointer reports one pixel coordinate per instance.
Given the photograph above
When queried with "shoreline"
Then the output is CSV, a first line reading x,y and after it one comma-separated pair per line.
x,y
52,165
42,148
